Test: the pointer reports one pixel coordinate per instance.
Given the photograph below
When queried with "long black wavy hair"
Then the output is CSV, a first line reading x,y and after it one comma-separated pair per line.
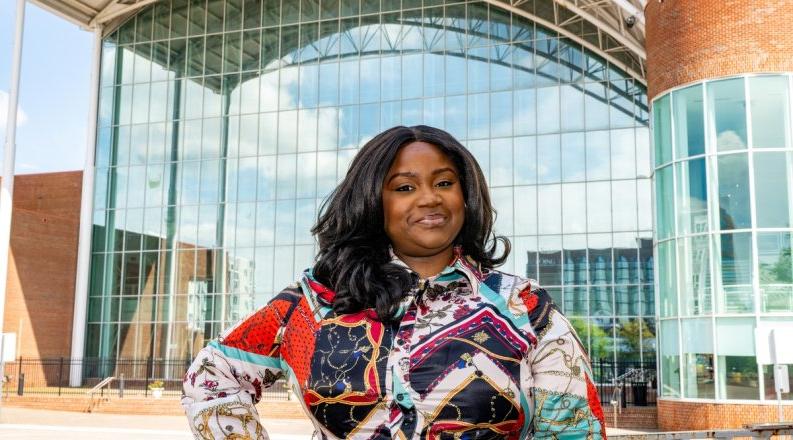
x,y
353,257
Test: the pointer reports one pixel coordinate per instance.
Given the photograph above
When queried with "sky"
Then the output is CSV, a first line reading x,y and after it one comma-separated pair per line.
x,y
54,89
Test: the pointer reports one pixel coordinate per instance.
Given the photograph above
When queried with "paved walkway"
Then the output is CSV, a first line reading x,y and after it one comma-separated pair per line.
x,y
35,424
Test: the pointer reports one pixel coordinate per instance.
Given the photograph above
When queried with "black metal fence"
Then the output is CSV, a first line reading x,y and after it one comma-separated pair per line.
x,y
629,383
132,377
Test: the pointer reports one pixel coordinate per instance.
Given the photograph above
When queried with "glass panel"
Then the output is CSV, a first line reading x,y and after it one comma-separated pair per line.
x,y
769,106
662,128
623,205
776,271
599,206
734,211
768,380
623,154
664,203
550,261
573,157
629,339
573,207
548,158
692,197
698,358
575,301
626,266
771,183
694,276
735,251
598,164
689,122
738,378
667,279
602,339
549,198
600,258
727,108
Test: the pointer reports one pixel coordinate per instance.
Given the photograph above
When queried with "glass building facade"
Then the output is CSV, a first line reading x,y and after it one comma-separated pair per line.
x,y
224,124
724,218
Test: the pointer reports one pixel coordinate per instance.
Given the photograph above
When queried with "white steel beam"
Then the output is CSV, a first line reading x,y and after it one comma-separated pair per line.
x,y
626,41
7,186
117,9
79,317
639,76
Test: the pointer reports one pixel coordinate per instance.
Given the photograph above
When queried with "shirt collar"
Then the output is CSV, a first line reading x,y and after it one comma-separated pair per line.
x,y
460,263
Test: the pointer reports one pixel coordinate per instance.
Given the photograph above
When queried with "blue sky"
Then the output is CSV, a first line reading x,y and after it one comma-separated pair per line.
x,y
54,89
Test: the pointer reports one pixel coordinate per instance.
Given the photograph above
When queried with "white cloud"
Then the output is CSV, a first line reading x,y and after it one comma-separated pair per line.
x,y
21,115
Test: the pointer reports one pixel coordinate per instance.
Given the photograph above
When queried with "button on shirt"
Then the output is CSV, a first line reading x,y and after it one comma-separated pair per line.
x,y
471,354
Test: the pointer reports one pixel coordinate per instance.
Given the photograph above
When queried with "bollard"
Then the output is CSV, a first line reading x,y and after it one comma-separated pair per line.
x,y
121,386
21,384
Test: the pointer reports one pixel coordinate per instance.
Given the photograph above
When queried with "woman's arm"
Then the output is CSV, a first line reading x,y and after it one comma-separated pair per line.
x,y
227,376
566,403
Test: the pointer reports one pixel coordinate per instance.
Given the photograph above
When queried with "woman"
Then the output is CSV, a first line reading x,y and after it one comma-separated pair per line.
x,y
403,329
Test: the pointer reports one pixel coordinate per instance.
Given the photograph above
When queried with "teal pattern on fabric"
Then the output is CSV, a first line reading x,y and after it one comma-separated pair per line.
x,y
252,358
564,416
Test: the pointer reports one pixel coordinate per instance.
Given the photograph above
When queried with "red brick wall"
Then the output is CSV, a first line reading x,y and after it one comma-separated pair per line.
x,y
692,40
43,262
684,416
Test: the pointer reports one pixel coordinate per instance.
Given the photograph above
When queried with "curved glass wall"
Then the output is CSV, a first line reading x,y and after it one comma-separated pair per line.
x,y
224,124
724,218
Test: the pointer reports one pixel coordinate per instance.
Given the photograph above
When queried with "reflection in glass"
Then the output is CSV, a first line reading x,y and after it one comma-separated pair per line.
x,y
733,192
692,197
689,122
727,114
771,189
694,275
698,372
738,376
662,130
776,271
667,277
736,272
769,107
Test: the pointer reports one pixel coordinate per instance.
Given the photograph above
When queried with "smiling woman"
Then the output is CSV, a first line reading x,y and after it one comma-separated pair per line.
x,y
404,328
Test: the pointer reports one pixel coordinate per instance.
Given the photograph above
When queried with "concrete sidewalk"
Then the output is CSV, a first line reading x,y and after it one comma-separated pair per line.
x,y
35,424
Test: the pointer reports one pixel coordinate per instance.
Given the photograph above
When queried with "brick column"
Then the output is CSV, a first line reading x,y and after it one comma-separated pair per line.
x,y
694,40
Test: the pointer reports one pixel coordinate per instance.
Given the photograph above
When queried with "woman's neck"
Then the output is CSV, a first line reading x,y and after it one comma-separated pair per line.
x,y
428,266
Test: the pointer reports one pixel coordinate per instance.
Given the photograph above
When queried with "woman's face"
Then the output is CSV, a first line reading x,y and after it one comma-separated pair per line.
x,y
423,201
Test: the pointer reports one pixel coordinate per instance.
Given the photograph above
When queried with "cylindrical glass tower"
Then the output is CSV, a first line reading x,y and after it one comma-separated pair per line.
x,y
724,219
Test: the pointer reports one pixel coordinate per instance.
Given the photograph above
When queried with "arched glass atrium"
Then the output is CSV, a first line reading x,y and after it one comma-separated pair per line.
x,y
223,124
724,170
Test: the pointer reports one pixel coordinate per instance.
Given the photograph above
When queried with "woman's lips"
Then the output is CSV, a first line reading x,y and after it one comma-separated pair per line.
x,y
432,220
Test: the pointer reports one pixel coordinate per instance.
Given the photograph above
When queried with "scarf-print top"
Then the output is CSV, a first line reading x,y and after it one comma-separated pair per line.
x,y
472,355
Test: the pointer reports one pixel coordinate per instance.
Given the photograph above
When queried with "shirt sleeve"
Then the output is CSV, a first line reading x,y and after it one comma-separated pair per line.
x,y
566,402
225,381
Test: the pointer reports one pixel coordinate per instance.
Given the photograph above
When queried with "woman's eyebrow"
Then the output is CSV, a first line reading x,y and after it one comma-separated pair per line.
x,y
443,170
402,174
412,174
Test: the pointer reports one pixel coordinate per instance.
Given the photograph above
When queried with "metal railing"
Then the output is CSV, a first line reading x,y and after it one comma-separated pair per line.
x,y
52,376
628,383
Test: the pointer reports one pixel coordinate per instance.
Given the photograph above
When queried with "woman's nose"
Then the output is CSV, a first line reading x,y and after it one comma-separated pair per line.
x,y
430,197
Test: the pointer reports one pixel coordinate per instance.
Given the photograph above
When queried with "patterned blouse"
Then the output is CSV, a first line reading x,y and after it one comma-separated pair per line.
x,y
473,355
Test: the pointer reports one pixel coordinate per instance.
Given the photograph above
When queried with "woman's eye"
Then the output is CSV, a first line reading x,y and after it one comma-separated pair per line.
x,y
403,188
445,183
